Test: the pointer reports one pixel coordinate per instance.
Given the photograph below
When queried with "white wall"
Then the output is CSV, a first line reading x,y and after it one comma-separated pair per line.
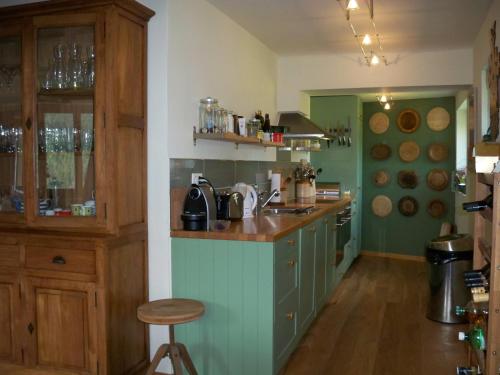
x,y
481,52
297,74
210,55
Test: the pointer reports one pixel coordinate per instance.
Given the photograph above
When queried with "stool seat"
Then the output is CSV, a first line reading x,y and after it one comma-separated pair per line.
x,y
170,311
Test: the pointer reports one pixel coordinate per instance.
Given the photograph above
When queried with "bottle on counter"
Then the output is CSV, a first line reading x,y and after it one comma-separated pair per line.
x,y
267,124
479,205
475,312
468,370
475,337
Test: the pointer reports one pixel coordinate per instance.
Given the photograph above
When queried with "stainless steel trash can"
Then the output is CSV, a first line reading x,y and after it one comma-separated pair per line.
x,y
448,257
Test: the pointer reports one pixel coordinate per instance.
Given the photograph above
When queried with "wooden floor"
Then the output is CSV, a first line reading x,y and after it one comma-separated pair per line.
x,y
375,325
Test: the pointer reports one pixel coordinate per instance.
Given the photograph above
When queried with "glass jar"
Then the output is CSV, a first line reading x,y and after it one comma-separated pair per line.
x,y
207,111
253,126
220,120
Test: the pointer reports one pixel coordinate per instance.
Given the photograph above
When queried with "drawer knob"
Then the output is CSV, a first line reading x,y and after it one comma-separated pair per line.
x,y
290,315
291,242
58,260
292,263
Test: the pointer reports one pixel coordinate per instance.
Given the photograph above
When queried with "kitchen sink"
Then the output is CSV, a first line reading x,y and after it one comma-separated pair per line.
x,y
289,211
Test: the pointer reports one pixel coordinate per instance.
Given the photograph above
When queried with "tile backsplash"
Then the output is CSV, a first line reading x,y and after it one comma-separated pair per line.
x,y
223,174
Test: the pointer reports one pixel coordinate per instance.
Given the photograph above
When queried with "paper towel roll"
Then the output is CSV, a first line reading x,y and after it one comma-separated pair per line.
x,y
276,184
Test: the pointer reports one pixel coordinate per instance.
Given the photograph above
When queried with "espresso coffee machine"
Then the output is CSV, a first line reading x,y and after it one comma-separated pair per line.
x,y
199,206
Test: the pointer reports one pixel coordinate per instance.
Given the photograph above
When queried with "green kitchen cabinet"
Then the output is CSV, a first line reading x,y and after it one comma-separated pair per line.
x,y
320,264
307,280
331,253
259,297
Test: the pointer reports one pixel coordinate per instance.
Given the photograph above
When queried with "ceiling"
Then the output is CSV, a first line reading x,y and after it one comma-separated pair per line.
x,y
296,27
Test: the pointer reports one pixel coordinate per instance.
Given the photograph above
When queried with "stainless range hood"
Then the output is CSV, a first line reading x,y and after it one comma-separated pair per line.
x,y
297,125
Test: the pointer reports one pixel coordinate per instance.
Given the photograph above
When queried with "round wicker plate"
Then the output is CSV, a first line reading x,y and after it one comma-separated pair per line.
x,y
437,179
381,205
409,151
408,120
438,119
381,178
408,206
436,208
381,151
379,123
437,152
407,179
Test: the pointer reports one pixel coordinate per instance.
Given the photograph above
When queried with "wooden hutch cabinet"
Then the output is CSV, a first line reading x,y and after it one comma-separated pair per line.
x,y
73,209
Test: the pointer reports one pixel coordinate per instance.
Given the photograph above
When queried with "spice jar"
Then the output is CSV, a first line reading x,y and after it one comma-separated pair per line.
x,y
253,126
220,120
207,111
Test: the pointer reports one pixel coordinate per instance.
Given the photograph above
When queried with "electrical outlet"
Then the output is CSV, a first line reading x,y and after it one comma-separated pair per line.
x,y
195,177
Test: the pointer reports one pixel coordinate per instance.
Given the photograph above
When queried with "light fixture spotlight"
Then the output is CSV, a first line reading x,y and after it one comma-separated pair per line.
x,y
375,60
367,40
352,5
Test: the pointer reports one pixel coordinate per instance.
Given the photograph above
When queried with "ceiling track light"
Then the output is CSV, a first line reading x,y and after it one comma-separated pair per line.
x,y
374,55
386,101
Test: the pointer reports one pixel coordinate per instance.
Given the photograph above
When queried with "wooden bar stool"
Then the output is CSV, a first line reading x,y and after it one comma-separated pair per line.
x,y
171,312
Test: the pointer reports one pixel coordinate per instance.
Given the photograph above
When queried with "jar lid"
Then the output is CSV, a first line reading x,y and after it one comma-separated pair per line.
x,y
209,100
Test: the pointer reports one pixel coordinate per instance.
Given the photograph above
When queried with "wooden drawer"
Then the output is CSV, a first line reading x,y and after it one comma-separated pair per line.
x,y
286,267
65,260
286,325
10,256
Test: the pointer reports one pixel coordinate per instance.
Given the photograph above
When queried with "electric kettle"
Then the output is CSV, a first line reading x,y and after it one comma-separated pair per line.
x,y
250,198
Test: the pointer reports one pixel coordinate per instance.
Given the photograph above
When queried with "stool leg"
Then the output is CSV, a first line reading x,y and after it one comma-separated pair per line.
x,y
175,357
160,353
187,359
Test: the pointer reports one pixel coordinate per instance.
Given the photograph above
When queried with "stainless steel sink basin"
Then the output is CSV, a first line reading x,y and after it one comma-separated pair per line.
x,y
289,211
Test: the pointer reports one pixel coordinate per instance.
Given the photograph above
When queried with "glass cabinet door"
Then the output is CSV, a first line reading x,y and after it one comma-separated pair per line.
x,y
11,130
65,165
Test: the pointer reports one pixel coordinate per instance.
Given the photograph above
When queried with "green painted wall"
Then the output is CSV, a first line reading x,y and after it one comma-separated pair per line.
x,y
397,233
340,163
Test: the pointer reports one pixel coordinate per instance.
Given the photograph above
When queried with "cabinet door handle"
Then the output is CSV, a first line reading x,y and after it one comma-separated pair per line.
x,y
290,315
292,263
58,260
312,229
28,123
31,328
291,242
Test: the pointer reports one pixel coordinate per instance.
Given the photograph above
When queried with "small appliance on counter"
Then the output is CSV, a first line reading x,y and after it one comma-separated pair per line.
x,y
229,206
199,207
250,198
327,191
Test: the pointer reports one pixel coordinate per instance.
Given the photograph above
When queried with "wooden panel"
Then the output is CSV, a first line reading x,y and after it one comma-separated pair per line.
x,y
9,256
130,185
130,76
128,346
234,279
7,327
63,324
64,260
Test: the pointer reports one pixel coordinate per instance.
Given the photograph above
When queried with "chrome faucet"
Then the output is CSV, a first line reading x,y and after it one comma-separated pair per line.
x,y
274,193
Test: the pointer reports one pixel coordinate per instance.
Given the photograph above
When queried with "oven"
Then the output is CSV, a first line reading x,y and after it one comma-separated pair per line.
x,y
343,222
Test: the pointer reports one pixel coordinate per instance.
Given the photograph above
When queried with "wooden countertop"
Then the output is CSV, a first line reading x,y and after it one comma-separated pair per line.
x,y
265,228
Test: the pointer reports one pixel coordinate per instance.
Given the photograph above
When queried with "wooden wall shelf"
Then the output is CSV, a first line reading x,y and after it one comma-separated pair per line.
x,y
485,249
487,214
67,92
236,139
487,149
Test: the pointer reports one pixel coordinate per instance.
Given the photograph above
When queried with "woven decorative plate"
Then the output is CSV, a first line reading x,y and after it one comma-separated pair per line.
x,y
436,208
409,151
407,179
408,206
437,152
381,178
408,120
379,123
381,205
438,119
437,179
381,151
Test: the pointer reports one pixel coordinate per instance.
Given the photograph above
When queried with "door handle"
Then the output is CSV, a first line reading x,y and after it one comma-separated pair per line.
x,y
58,260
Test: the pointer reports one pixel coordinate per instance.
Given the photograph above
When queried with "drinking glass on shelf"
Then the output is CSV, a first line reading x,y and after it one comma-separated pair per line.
x,y
75,71
90,68
60,71
87,140
49,80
